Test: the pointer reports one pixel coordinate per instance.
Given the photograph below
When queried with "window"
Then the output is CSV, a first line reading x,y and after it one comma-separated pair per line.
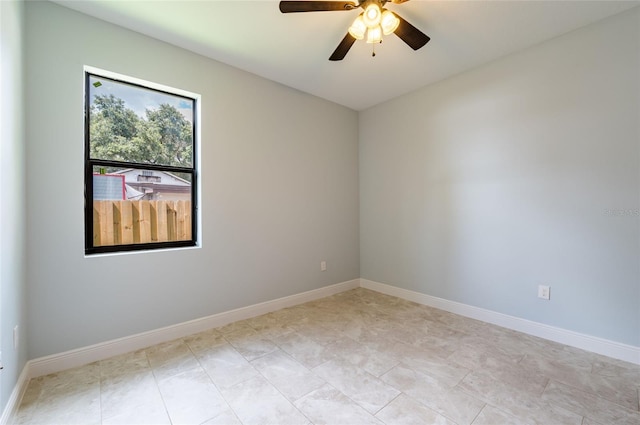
x,y
140,165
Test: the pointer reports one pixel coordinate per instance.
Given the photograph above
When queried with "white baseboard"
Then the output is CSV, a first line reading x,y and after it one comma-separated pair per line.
x,y
81,356
13,403
602,346
104,350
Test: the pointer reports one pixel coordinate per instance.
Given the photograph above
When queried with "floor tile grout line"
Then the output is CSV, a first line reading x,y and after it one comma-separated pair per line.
x,y
590,393
155,378
479,412
283,395
351,399
303,365
583,414
582,389
210,380
309,370
546,385
220,391
388,403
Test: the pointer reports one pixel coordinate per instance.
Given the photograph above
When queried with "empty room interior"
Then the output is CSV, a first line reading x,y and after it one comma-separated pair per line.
x,y
402,212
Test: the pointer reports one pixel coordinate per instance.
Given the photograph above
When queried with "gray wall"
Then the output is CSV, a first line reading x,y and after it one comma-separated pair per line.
x,y
12,204
481,187
279,190
476,189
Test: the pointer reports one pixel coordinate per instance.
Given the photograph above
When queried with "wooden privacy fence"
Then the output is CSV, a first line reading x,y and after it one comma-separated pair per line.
x,y
131,222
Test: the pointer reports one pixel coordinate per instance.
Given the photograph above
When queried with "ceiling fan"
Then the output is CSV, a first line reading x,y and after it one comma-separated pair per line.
x,y
373,22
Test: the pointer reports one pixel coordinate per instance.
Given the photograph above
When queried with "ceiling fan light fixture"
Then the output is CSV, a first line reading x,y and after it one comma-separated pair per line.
x,y
372,16
374,35
389,22
358,28
370,25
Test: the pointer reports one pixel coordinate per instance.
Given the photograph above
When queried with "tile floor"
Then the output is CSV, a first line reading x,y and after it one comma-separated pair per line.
x,y
358,357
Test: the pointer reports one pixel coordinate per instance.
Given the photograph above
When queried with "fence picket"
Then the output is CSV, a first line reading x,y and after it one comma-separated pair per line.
x,y
141,222
180,230
126,222
131,222
103,229
171,222
97,241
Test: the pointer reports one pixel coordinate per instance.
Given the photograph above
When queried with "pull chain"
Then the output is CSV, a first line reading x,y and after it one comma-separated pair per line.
x,y
373,49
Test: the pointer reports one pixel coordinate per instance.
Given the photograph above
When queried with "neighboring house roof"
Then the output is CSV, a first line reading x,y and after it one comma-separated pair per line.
x,y
134,184
158,177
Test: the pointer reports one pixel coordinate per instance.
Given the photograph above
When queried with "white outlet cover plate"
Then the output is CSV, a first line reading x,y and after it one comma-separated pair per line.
x,y
543,292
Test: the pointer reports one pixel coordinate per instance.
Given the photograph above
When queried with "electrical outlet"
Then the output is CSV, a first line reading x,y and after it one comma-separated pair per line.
x,y
15,337
323,266
544,292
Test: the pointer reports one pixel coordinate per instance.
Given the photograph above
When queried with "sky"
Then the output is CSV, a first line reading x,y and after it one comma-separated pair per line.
x,y
138,98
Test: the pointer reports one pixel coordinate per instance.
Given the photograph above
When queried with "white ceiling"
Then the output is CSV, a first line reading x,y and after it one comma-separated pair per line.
x,y
293,49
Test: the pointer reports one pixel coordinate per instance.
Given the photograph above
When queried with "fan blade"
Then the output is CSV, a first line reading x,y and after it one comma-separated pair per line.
x,y
343,48
398,1
411,35
287,6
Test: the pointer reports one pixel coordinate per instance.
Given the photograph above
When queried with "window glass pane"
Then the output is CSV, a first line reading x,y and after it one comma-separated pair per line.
x,y
135,124
132,206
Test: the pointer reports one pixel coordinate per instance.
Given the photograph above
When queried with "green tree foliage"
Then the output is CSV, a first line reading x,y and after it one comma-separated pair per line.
x,y
117,133
174,134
